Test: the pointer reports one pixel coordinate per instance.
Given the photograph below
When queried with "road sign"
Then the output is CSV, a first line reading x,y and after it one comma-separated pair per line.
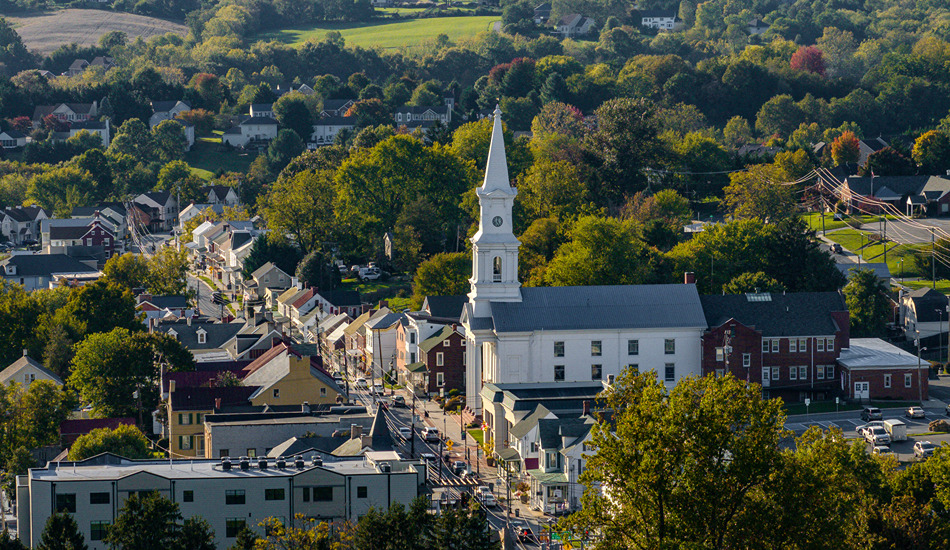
x,y
807,402
449,444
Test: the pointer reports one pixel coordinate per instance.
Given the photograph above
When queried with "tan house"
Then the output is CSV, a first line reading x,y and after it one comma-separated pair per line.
x,y
27,370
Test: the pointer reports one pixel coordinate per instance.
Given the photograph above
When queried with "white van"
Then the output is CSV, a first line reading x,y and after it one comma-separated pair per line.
x,y
896,429
430,434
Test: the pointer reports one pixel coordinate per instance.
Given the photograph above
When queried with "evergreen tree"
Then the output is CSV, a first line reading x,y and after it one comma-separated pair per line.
x,y
196,534
61,533
245,539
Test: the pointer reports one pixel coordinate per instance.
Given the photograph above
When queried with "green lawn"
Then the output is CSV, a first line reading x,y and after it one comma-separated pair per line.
x,y
943,285
384,34
857,242
397,293
478,436
813,219
207,156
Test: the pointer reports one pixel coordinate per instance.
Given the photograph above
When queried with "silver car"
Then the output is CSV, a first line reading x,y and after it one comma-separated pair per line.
x,y
924,449
877,436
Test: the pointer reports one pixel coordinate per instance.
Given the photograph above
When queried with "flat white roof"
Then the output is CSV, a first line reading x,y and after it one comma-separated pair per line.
x,y
193,469
875,353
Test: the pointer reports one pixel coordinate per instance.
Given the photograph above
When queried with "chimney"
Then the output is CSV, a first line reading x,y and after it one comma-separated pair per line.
x,y
366,441
355,431
586,408
188,320
689,278
25,352
383,303
217,401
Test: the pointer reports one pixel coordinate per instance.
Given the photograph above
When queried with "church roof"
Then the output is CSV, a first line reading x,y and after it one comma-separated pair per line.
x,y
600,307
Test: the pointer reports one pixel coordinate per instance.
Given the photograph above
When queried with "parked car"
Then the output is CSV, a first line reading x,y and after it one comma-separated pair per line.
x,y
428,457
458,467
369,273
882,451
923,449
915,412
863,429
361,384
872,413
836,248
430,434
378,388
877,436
405,432
523,531
399,401
486,497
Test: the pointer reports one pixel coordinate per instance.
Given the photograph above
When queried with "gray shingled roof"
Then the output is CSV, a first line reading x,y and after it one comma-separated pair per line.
x,y
600,307
926,303
42,265
792,314
217,333
448,307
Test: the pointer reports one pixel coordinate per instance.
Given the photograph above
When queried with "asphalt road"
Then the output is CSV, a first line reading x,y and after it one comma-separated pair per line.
x,y
205,305
397,417
909,233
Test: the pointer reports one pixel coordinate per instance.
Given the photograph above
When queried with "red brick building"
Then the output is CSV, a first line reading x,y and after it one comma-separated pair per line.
x,y
788,343
873,369
443,355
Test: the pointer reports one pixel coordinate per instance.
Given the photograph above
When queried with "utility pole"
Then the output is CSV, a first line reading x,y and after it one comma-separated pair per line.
x,y
885,239
412,425
933,258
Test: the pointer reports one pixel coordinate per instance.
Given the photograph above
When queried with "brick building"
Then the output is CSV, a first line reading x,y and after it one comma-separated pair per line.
x,y
873,369
788,343
442,357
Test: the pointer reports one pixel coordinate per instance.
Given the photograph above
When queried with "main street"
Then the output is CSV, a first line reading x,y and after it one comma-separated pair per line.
x,y
440,473
205,305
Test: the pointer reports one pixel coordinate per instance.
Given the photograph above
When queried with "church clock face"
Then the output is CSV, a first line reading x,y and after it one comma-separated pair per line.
x,y
497,221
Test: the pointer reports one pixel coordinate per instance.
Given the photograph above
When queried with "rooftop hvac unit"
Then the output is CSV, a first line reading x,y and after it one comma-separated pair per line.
x,y
298,463
226,464
317,460
385,467
281,463
245,464
262,463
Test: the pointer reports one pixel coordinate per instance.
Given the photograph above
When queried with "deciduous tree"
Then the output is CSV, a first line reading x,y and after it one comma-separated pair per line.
x,y
147,521
442,275
127,441
867,302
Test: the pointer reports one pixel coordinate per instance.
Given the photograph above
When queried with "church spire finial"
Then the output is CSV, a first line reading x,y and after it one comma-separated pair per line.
x,y
496,170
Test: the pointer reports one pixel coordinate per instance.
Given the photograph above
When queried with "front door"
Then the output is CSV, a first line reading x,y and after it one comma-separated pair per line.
x,y
862,390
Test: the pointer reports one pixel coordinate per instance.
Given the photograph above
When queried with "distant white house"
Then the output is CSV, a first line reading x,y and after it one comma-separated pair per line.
x,y
101,128
574,24
12,139
251,129
326,129
665,20
412,117
166,110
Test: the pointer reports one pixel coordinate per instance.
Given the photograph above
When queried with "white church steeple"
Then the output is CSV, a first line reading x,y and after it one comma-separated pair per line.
x,y
494,246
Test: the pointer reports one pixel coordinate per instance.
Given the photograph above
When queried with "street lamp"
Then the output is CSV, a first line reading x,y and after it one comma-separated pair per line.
x,y
940,335
901,262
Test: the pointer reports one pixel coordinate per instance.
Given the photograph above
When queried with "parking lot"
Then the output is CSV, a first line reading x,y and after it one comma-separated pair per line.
x,y
849,421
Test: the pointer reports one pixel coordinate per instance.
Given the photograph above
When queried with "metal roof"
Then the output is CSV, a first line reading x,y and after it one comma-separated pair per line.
x,y
600,307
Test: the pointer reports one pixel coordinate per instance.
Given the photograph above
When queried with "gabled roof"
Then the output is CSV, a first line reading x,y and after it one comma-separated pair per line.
x,y
897,185
14,134
262,106
216,334
926,303
43,265
24,213
774,314
261,271
570,20
552,431
160,197
70,232
166,106
266,120
335,104
447,307
528,423
10,372
411,109
600,307
219,191
384,322
357,323
437,338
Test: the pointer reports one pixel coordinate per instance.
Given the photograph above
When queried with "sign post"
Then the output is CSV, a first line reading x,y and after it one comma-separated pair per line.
x,y
807,403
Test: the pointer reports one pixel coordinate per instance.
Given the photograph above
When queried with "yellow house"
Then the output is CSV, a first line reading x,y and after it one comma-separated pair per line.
x,y
27,370
285,376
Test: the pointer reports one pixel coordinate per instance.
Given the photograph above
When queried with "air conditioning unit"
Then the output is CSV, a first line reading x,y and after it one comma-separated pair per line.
x,y
245,464
262,463
298,462
226,464
385,467
281,463
317,460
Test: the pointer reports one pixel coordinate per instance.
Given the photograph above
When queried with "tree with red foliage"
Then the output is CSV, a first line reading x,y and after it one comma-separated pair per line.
x,y
54,124
21,124
846,148
211,90
809,59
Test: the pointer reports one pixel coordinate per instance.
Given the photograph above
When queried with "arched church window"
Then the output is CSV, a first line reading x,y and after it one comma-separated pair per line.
x,y
496,270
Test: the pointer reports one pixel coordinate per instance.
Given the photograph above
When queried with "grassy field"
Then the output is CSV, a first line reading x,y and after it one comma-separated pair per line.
x,y
857,242
383,34
397,293
813,219
46,31
206,157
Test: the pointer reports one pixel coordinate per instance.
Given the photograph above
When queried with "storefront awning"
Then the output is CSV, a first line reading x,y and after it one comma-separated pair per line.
x,y
416,367
508,454
548,478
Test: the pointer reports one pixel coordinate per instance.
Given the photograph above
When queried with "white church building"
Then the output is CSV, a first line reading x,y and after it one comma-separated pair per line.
x,y
559,346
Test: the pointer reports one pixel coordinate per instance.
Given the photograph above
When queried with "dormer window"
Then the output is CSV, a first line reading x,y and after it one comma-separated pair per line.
x,y
202,337
172,333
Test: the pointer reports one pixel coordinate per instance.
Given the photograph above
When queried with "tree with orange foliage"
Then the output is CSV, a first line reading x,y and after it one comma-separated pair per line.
x,y
846,148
